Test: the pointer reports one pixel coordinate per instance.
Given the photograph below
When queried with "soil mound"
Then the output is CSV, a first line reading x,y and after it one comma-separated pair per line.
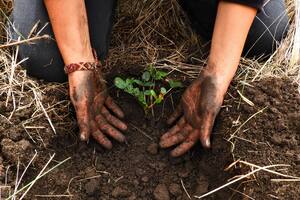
x,y
139,169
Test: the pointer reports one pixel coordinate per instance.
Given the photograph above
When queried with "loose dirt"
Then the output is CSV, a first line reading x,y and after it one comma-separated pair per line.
x,y
270,137
139,169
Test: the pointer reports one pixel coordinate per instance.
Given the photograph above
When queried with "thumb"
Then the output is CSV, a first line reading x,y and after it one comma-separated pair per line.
x,y
205,141
81,88
83,120
84,131
206,129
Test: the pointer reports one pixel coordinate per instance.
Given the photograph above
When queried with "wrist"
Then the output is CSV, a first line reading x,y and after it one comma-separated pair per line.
x,y
78,77
76,55
221,79
223,66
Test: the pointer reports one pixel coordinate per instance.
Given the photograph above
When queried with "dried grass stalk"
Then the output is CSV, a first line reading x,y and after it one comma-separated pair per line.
x,y
146,32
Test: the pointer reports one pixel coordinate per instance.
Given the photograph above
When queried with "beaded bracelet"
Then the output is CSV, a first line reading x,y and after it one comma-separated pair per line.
x,y
82,66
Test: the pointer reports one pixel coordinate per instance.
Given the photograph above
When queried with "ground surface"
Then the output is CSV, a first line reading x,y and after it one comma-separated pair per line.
x,y
141,170
271,137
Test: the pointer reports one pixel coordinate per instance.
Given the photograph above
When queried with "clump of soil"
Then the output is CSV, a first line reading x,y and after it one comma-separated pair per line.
x,y
139,169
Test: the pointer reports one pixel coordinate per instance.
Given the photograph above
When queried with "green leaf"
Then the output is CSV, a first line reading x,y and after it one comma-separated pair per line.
x,y
175,84
120,83
129,81
149,84
159,75
163,90
136,92
142,101
146,76
153,93
147,92
138,82
129,89
151,70
159,99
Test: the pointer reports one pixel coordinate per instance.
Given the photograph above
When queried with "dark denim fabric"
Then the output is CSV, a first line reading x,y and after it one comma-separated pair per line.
x,y
269,27
45,61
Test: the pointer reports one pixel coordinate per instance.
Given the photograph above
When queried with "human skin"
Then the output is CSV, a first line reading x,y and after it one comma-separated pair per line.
x,y
87,88
202,100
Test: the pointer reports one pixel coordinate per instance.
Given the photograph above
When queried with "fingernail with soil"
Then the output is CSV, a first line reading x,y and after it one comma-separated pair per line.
x,y
83,136
124,127
161,144
206,143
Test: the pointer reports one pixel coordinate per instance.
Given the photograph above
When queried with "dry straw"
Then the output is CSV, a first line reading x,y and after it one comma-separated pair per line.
x,y
149,31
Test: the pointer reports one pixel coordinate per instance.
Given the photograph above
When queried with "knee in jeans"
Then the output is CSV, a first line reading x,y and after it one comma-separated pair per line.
x,y
43,61
266,34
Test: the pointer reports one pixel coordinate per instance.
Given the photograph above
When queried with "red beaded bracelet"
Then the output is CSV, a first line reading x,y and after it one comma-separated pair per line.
x,y
82,66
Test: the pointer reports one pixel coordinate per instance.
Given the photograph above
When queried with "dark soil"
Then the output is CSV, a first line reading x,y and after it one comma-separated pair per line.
x,y
271,137
141,170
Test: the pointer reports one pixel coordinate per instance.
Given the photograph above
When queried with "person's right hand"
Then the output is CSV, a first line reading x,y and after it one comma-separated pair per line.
x,y
93,108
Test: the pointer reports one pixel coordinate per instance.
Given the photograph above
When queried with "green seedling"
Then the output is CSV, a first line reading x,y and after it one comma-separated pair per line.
x,y
146,88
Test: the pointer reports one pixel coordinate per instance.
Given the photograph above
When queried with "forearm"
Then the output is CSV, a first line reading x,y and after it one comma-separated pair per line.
x,y
69,22
232,25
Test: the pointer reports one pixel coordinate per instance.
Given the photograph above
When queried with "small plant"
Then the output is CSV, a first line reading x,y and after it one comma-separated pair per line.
x,y
147,88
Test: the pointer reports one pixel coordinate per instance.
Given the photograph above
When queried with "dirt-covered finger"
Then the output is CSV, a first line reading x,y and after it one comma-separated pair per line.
x,y
99,103
100,137
172,131
175,115
108,129
176,138
113,120
83,121
206,130
186,145
114,107
84,130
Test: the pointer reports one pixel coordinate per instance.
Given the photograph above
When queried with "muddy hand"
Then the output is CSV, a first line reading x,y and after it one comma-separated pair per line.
x,y
196,112
97,114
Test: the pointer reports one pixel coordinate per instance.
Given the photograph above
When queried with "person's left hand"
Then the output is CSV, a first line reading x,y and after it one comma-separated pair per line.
x,y
199,106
